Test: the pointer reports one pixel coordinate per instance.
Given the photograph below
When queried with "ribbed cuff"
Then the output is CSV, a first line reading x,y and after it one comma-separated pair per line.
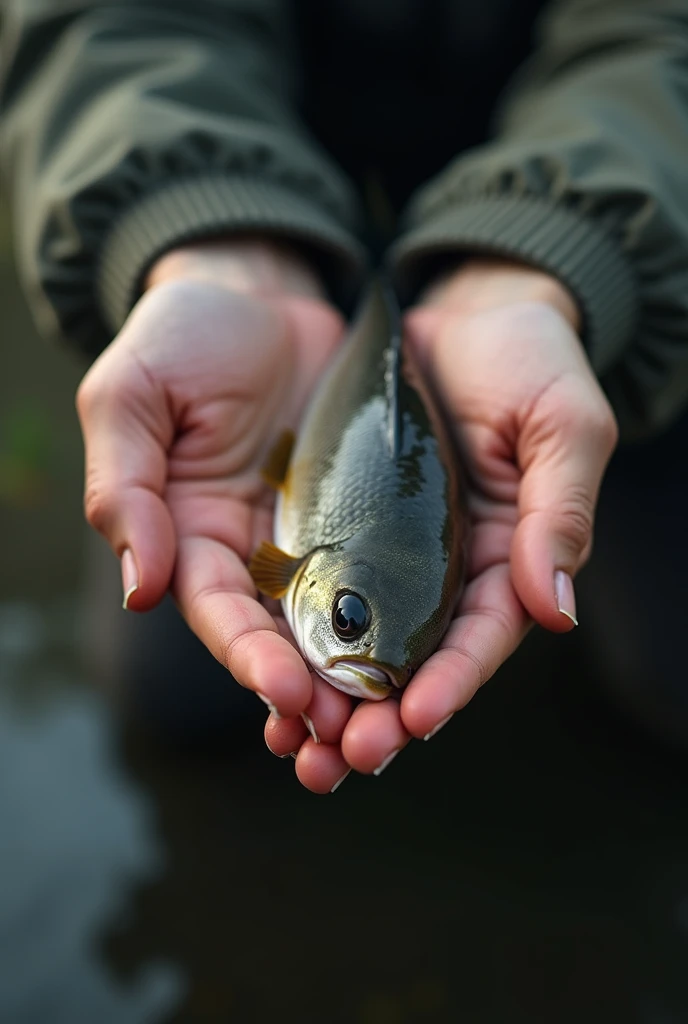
x,y
212,205
571,247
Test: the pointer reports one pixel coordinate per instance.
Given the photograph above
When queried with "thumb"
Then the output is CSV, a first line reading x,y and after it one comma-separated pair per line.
x,y
127,429
564,448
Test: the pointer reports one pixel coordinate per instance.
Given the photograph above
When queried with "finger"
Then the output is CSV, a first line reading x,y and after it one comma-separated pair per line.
x,y
127,429
320,767
490,544
216,597
374,736
285,736
491,624
327,713
565,449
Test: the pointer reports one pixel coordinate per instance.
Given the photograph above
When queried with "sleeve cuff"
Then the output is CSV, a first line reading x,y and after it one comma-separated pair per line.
x,y
212,205
574,249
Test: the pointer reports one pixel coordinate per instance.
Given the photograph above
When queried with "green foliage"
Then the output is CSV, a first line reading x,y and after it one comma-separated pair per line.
x,y
26,454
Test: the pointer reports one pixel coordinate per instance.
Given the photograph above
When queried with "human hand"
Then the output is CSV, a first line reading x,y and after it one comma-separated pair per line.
x,y
500,343
178,414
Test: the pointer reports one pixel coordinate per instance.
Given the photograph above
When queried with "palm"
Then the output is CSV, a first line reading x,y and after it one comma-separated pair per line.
x,y
255,367
181,411
250,379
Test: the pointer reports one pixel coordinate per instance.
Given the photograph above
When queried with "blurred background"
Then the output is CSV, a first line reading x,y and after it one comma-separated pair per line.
x,y
529,865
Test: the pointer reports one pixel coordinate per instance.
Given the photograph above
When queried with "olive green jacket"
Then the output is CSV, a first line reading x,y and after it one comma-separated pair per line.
x,y
127,127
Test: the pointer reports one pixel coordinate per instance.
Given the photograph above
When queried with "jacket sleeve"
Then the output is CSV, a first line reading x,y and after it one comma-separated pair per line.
x,y
586,176
133,126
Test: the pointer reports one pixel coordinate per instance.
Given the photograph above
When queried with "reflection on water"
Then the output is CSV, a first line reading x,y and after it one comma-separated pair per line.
x,y
532,866
77,837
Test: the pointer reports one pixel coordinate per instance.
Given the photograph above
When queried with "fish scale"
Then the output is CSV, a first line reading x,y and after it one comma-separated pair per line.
x,y
349,495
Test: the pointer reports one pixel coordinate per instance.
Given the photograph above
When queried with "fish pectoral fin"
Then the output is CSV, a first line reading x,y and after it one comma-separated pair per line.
x,y
272,570
274,472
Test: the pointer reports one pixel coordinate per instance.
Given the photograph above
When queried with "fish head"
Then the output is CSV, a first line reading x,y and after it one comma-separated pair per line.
x,y
360,623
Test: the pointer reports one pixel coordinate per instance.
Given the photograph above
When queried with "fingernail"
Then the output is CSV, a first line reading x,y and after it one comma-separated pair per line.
x,y
310,726
339,782
388,760
566,598
440,725
268,703
294,754
130,576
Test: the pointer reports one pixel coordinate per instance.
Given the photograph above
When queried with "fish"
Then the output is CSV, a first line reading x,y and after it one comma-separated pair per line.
x,y
370,525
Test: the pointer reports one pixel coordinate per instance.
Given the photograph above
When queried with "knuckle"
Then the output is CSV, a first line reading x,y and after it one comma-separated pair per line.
x,y
574,519
580,410
235,648
99,506
608,428
104,387
601,425
230,640
465,654
86,396
567,417
585,555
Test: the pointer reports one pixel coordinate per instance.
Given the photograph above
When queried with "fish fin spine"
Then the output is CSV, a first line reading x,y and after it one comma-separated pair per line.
x,y
392,365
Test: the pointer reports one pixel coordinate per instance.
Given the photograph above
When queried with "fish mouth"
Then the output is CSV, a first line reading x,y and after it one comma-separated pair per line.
x,y
359,678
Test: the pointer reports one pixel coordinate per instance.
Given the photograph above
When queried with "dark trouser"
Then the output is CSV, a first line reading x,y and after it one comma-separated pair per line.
x,y
632,606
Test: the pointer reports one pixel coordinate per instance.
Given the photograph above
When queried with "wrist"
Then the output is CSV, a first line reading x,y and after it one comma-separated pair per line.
x,y
480,284
246,265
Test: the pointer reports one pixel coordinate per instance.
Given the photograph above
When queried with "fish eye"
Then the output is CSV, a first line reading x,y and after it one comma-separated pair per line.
x,y
350,616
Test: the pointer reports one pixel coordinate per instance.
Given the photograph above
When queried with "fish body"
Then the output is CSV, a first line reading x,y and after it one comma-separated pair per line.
x,y
370,523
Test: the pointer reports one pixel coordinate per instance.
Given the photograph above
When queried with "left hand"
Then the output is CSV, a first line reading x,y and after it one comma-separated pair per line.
x,y
178,414
500,342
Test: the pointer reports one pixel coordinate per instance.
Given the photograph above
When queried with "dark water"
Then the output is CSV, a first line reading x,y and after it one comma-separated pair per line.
x,y
529,865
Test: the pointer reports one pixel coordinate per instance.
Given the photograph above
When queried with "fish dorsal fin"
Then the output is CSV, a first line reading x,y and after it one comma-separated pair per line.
x,y
272,570
383,317
274,472
392,367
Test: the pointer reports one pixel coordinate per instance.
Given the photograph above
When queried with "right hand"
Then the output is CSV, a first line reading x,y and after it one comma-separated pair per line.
x,y
178,414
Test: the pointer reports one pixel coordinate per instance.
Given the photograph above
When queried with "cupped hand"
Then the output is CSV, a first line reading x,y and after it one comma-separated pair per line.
x,y
500,344
178,414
